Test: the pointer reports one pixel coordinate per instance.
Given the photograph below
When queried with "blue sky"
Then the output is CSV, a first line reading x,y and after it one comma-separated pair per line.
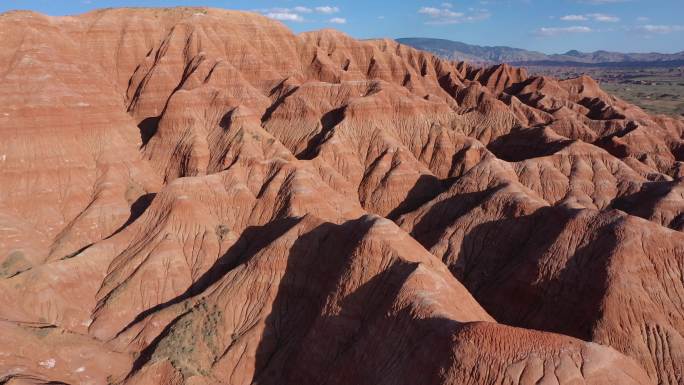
x,y
550,26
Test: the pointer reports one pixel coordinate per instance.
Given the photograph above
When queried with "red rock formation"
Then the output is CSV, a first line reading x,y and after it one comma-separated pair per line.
x,y
200,196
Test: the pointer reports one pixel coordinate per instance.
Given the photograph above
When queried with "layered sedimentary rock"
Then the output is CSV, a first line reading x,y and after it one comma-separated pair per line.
x,y
199,196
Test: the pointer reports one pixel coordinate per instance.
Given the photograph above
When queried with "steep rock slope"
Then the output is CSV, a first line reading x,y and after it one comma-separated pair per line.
x,y
201,196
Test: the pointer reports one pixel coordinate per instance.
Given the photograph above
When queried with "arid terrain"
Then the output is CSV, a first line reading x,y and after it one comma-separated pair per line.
x,y
652,81
200,196
658,90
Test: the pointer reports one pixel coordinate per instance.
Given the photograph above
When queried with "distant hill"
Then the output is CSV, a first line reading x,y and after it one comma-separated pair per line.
x,y
455,50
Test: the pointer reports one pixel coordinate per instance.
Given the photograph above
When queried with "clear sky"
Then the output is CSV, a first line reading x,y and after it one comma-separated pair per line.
x,y
550,26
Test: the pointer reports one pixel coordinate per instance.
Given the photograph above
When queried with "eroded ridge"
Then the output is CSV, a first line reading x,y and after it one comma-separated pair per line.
x,y
199,196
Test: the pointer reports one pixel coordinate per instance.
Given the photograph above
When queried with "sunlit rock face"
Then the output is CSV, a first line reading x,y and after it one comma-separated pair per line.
x,y
199,196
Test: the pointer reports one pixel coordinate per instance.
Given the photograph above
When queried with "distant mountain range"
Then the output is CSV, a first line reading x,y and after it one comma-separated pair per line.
x,y
455,50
